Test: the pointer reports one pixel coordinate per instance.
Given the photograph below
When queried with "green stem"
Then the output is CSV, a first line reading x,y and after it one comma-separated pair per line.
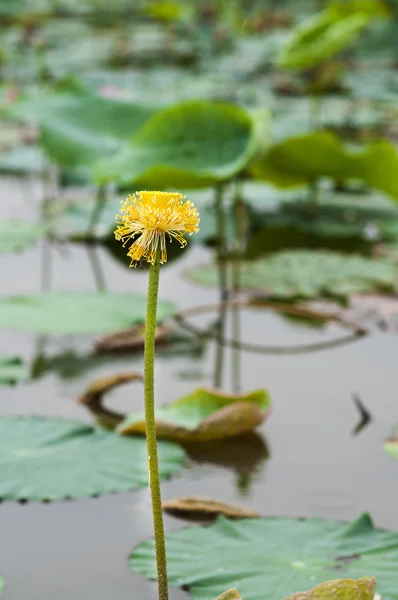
x,y
149,393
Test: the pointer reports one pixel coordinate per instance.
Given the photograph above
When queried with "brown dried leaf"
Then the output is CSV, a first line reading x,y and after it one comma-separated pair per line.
x,y
129,339
93,397
340,589
197,508
231,594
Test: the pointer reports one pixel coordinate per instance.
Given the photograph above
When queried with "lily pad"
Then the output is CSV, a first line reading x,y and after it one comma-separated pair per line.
x,y
18,235
269,558
49,458
78,127
301,160
69,312
12,370
340,589
204,415
190,145
308,275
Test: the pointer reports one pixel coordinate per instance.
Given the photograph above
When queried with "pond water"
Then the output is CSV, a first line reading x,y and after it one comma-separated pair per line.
x,y
309,464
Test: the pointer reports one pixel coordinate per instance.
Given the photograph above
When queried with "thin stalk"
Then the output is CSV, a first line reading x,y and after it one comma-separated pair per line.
x,y
150,426
100,201
96,268
223,286
240,236
50,193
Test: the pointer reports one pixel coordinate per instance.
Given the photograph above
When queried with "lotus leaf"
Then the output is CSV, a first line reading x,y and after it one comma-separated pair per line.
x,y
49,458
77,127
76,312
303,159
190,145
204,415
307,275
270,558
321,37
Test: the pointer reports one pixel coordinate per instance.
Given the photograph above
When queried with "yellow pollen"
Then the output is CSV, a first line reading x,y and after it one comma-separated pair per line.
x,y
152,215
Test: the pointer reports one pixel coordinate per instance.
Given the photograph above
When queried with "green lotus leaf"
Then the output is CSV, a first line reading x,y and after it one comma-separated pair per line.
x,y
48,458
303,159
320,38
78,127
270,558
204,415
190,145
69,312
303,274
12,370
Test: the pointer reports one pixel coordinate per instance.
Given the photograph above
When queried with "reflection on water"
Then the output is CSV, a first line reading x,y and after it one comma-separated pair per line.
x,y
245,456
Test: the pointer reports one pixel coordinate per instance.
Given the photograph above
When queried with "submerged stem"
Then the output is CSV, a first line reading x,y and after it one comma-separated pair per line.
x,y
149,393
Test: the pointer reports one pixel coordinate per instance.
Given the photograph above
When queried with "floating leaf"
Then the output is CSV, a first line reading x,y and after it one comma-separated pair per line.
x,y
12,370
303,159
204,415
192,507
69,312
78,127
269,559
192,144
309,274
340,589
48,458
18,235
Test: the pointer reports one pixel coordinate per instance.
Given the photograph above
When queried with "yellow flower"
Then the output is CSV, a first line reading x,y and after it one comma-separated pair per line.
x,y
152,215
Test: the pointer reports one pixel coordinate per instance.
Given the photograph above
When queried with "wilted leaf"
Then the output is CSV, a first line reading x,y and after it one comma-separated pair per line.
x,y
192,144
204,415
309,274
270,558
231,594
48,458
130,339
68,312
340,589
12,370
92,398
192,507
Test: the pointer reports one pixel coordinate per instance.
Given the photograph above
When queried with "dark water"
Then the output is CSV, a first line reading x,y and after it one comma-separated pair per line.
x,y
316,467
